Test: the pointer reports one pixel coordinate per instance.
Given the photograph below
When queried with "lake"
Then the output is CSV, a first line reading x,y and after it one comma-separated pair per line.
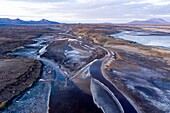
x,y
144,38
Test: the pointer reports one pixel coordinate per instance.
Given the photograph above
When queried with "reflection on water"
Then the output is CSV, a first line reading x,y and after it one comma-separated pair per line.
x,y
144,38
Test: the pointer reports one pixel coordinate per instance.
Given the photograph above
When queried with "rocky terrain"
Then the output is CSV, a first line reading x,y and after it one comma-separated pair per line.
x,y
141,72
85,58
16,74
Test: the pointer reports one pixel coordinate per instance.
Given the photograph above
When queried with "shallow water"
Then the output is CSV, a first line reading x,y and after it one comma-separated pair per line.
x,y
144,38
97,74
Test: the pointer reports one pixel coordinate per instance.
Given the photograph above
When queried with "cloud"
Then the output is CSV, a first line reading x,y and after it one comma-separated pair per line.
x,y
43,1
115,11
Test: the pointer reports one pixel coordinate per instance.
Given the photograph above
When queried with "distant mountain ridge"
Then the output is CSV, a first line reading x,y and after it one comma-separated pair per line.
x,y
19,21
150,21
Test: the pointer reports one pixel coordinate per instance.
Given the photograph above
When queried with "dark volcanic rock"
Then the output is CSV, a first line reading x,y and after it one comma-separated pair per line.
x,y
143,78
55,51
16,75
9,45
71,55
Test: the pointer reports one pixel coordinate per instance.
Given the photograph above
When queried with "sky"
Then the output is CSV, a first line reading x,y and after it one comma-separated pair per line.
x,y
85,11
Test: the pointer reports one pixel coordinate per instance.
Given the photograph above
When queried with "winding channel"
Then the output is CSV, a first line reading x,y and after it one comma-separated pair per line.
x,y
52,94
95,70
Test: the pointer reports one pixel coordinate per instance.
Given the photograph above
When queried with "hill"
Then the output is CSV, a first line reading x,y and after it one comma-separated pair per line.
x,y
19,21
150,21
